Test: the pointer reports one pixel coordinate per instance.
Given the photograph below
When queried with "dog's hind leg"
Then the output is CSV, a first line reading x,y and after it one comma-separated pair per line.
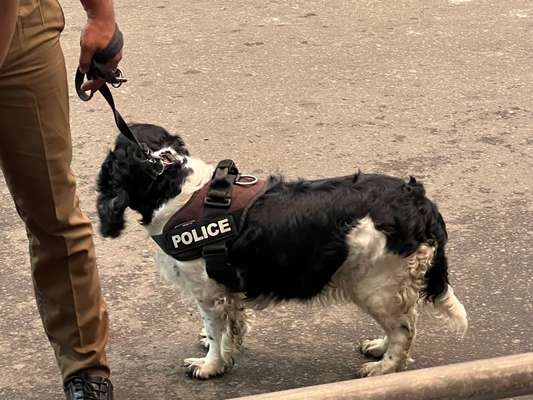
x,y
395,348
392,302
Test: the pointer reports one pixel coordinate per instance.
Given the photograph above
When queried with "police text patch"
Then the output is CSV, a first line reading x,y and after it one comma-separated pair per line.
x,y
198,234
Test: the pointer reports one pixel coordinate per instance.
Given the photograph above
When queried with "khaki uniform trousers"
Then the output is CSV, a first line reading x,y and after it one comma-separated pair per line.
x,y
35,157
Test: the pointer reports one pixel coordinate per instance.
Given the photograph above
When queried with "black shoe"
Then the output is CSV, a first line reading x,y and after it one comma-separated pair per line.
x,y
86,387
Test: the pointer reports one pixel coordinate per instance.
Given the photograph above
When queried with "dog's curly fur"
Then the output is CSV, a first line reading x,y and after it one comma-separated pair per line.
x,y
370,239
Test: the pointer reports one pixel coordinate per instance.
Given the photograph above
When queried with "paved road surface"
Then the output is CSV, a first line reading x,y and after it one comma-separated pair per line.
x,y
438,89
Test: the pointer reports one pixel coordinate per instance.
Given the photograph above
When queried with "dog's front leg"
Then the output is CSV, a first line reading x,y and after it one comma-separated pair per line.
x,y
214,315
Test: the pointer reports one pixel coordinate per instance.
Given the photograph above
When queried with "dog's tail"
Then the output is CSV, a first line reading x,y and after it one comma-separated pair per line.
x,y
440,300
448,309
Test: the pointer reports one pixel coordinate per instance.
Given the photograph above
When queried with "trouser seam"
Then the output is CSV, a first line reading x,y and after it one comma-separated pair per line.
x,y
67,252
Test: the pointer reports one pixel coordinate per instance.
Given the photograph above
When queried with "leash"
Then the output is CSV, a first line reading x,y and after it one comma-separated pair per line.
x,y
98,70
217,222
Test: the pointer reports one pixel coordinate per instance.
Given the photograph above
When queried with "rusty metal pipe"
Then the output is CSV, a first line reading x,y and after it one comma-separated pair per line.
x,y
490,379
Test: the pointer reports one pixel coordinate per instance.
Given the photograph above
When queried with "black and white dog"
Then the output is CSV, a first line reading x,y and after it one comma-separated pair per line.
x,y
368,239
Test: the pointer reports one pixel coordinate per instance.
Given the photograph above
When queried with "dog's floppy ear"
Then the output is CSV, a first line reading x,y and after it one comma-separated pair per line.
x,y
112,198
111,213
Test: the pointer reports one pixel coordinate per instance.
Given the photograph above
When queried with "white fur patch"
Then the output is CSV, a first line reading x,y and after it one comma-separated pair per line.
x,y
201,174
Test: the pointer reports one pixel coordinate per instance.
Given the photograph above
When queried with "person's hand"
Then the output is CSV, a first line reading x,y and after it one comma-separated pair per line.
x,y
96,36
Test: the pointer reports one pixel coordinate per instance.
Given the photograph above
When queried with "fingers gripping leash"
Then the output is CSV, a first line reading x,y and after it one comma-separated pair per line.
x,y
99,69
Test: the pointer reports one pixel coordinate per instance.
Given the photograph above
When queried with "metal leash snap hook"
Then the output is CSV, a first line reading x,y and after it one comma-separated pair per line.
x,y
119,79
156,166
246,180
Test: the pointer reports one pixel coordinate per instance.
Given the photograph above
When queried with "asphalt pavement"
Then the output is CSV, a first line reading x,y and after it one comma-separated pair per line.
x,y
438,89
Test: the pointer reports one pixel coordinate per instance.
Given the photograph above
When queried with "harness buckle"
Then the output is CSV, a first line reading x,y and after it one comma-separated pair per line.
x,y
218,249
225,168
222,202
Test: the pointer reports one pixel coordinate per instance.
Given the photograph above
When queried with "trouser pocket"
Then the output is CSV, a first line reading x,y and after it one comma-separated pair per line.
x,y
30,13
47,13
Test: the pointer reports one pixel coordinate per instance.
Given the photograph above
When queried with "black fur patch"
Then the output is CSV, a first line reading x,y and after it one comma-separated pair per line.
x,y
294,238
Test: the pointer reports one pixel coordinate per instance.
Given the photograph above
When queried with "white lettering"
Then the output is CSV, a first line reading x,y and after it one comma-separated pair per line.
x,y
224,226
201,233
176,240
186,238
195,236
211,229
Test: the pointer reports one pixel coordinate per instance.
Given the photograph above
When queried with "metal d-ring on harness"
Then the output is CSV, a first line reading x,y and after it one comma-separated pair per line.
x,y
97,69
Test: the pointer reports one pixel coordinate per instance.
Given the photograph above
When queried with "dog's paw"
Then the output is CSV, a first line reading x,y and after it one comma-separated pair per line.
x,y
376,368
199,368
193,361
374,347
371,369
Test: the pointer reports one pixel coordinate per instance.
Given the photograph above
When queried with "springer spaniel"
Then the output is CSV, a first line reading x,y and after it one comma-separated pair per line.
x,y
368,239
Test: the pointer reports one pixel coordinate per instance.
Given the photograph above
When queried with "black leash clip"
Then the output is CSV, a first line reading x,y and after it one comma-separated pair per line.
x,y
98,68
156,165
114,77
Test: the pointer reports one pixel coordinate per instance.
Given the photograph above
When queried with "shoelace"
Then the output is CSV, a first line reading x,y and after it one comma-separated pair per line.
x,y
88,390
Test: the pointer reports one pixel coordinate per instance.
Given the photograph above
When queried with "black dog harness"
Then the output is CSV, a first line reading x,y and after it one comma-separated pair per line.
x,y
211,220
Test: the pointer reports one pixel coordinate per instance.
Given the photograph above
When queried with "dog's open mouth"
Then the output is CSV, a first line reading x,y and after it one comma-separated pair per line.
x,y
168,156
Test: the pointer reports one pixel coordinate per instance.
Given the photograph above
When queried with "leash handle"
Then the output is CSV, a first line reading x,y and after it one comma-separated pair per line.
x,y
98,67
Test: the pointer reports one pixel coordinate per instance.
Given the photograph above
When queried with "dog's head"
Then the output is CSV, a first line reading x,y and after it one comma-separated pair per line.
x,y
125,178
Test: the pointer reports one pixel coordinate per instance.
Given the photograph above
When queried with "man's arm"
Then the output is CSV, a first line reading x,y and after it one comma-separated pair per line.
x,y
96,36
8,20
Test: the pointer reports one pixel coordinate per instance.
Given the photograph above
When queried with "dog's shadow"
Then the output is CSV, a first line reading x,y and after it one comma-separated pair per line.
x,y
289,346
262,371
307,351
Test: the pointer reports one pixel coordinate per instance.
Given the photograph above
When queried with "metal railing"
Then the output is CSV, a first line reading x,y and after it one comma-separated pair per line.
x,y
490,379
